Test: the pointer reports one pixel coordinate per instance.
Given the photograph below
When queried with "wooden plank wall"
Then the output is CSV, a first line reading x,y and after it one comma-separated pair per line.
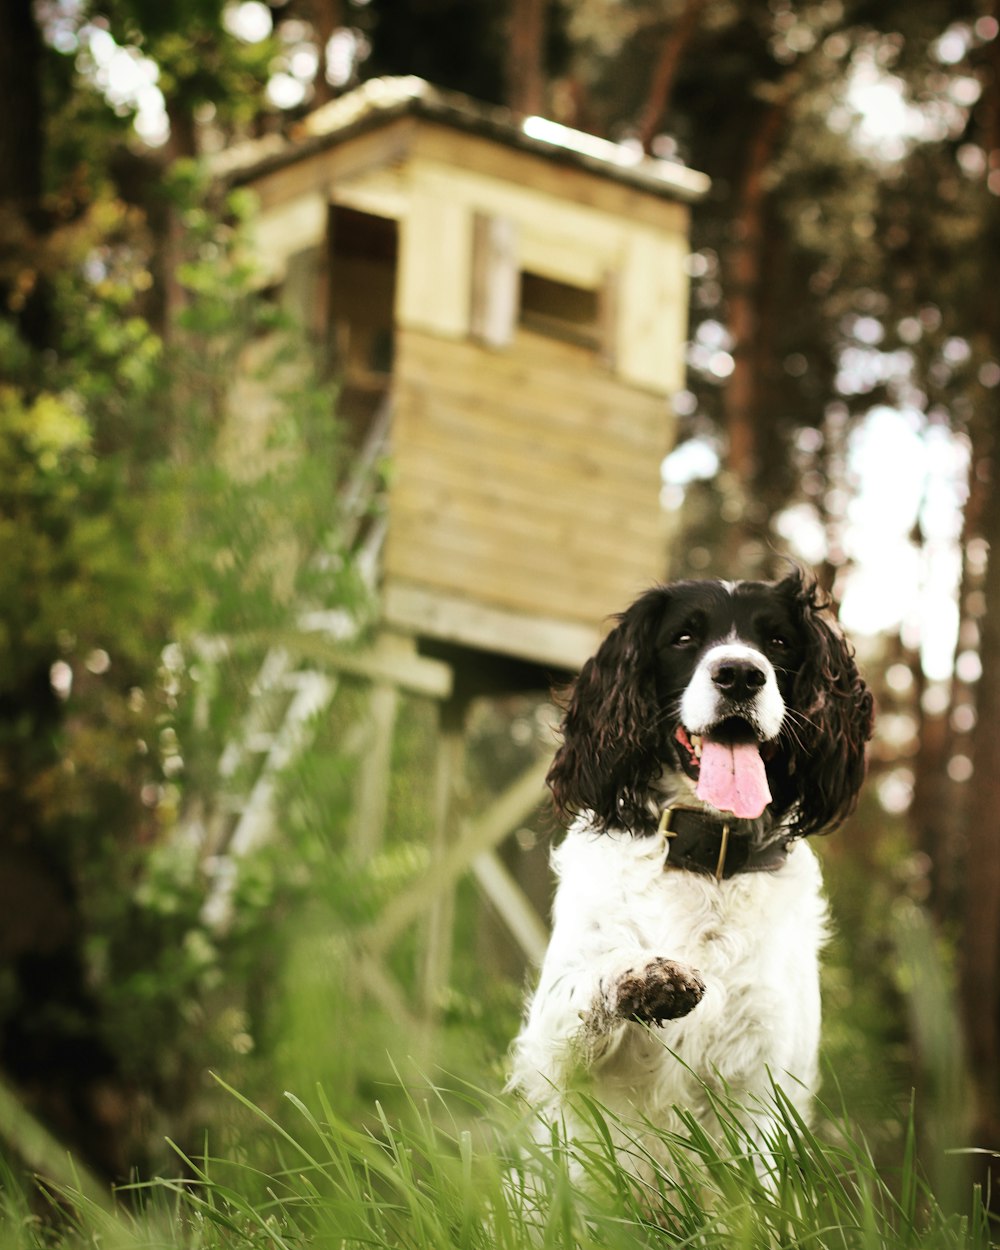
x,y
527,480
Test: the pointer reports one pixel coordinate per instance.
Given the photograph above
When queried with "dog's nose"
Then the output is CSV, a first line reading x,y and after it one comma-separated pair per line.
x,y
738,679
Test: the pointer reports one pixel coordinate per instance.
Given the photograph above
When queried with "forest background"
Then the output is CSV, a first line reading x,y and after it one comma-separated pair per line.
x,y
841,406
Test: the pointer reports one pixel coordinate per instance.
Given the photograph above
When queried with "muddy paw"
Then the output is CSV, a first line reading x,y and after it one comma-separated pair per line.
x,y
662,990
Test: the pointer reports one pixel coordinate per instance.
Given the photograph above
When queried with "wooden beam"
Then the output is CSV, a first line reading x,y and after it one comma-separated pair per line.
x,y
350,160
414,673
371,803
285,229
434,276
435,967
46,1156
496,280
374,980
512,905
652,311
493,171
435,613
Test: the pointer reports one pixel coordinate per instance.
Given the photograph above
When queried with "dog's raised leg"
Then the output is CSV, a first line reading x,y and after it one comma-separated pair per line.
x,y
649,993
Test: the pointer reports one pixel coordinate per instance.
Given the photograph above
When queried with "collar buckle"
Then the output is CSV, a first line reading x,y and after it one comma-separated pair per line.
x,y
720,867
665,828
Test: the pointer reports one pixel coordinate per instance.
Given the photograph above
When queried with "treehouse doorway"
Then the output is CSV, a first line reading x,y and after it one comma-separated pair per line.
x,y
363,255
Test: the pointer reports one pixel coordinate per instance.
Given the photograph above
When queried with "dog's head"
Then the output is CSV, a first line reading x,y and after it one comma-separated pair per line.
x,y
747,690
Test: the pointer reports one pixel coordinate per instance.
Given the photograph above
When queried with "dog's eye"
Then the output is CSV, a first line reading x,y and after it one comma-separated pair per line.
x,y
683,638
778,642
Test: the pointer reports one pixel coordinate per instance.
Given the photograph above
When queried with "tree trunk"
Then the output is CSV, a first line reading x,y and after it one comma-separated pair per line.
x,y
742,398
745,265
22,288
182,145
939,810
933,809
20,81
326,19
661,87
980,942
526,57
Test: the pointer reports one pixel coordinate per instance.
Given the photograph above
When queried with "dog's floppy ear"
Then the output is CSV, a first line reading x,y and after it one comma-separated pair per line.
x,y
836,713
611,746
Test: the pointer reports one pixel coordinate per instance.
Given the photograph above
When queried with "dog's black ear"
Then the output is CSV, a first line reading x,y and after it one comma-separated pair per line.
x,y
835,714
611,746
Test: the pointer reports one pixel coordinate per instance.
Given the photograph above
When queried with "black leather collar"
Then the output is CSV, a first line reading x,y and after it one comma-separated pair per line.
x,y
699,842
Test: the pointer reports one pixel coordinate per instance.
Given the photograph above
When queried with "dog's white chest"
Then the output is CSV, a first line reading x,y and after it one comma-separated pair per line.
x,y
754,939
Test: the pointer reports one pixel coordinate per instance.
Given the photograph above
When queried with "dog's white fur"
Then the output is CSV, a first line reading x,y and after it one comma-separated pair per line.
x,y
755,939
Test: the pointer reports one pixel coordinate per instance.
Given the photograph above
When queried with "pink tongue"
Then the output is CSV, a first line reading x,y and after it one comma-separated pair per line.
x,y
732,778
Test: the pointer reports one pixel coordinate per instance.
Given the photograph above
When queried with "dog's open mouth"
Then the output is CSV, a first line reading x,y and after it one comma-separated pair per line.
x,y
727,766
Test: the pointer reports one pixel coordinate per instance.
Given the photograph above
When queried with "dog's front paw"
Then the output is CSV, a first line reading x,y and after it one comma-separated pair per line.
x,y
660,990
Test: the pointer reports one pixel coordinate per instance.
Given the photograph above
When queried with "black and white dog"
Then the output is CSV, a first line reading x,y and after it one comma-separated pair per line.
x,y
717,726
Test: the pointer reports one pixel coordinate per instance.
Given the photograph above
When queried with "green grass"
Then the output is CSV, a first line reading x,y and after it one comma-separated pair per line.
x,y
460,1169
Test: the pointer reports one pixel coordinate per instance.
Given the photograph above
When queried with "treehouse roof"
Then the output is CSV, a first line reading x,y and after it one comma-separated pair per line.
x,y
382,100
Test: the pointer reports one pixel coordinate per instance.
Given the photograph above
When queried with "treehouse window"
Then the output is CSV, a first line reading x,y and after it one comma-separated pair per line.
x,y
562,311
506,297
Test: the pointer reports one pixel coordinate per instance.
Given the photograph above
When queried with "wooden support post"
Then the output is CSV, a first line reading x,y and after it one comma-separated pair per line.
x,y
393,665
372,802
437,945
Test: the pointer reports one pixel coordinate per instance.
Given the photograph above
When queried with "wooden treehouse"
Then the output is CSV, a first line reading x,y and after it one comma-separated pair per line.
x,y
506,305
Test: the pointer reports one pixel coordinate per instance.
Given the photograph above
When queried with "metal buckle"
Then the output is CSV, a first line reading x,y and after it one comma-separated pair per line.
x,y
664,829
720,867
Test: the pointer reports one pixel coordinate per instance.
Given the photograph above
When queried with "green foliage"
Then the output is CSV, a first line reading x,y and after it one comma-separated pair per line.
x,y
147,503
199,62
